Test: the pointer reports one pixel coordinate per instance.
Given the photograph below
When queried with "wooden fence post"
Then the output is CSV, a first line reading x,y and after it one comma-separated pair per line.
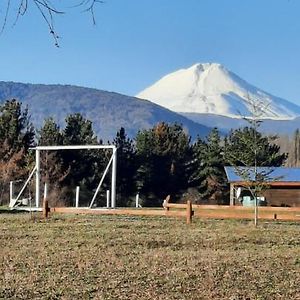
x,y
46,208
166,202
189,212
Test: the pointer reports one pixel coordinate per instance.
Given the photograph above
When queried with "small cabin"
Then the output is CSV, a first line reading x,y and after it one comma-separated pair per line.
x,y
282,186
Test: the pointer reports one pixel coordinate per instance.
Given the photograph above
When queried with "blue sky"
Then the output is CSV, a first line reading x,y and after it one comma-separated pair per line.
x,y
135,42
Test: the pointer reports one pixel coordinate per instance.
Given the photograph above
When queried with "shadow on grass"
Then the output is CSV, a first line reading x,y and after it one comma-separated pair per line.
x,y
7,210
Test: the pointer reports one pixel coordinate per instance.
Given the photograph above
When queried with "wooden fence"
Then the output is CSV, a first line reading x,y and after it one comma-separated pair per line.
x,y
189,211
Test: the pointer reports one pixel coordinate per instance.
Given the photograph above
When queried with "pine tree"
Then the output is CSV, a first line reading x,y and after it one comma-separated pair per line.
x,y
78,131
126,167
15,126
16,137
85,166
53,171
208,164
163,153
239,149
50,134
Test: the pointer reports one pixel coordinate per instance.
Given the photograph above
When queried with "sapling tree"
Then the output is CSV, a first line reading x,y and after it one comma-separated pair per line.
x,y
252,155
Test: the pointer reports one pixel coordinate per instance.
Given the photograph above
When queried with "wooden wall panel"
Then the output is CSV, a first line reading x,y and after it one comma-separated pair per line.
x,y
282,197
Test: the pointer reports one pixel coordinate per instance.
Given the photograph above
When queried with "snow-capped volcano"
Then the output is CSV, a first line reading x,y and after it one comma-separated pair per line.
x,y
211,88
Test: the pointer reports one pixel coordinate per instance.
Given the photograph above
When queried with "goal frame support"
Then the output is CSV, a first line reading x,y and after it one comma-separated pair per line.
x,y
112,161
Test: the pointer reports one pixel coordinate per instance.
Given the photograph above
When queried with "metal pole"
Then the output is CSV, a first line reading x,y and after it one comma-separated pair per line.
x,y
137,200
114,178
37,178
24,186
107,198
231,194
101,181
11,193
77,197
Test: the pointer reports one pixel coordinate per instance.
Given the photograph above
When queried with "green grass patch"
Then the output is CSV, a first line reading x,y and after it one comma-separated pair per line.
x,y
115,257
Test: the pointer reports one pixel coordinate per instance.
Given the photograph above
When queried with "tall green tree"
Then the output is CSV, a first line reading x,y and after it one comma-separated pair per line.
x,y
126,167
85,166
52,166
163,153
16,137
208,174
78,131
50,134
247,147
15,127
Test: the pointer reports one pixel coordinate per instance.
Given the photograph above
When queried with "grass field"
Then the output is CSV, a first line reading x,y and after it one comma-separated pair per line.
x,y
115,257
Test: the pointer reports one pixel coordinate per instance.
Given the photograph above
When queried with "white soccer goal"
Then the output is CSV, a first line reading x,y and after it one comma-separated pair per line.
x,y
36,171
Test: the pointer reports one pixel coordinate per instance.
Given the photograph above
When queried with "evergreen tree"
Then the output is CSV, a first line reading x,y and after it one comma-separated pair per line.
x,y
85,167
163,154
15,127
239,149
52,168
16,137
78,131
50,134
126,167
208,164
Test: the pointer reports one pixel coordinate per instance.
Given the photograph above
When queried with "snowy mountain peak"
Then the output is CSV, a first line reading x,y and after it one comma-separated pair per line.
x,y
211,88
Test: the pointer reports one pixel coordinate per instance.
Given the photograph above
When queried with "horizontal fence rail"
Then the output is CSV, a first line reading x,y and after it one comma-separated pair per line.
x,y
190,211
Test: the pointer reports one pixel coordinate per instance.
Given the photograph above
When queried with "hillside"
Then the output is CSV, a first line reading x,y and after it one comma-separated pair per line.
x,y
107,110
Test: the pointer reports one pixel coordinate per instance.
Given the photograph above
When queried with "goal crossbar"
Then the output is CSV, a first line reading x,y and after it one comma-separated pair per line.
x,y
112,161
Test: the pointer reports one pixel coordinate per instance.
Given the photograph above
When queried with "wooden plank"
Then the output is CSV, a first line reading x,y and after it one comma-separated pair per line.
x,y
264,213
264,208
224,215
135,212
176,205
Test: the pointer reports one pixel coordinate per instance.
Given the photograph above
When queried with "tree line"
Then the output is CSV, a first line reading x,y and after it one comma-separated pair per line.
x,y
159,161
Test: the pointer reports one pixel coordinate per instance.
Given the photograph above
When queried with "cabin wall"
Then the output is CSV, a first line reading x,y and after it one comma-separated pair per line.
x,y
283,196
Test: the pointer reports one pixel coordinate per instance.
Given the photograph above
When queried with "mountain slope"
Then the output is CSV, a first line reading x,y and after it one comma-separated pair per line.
x,y
108,111
225,124
211,88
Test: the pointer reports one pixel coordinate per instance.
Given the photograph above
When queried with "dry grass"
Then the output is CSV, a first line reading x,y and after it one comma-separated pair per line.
x,y
113,257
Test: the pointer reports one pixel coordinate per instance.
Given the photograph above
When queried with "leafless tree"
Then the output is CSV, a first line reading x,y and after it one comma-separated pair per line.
x,y
256,179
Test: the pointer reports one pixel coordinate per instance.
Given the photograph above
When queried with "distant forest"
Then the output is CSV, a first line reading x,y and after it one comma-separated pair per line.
x,y
159,161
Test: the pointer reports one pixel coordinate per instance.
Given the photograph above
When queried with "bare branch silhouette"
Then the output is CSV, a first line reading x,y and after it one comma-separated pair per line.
x,y
47,10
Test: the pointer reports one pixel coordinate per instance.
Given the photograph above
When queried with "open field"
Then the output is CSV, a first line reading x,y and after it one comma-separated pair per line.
x,y
117,257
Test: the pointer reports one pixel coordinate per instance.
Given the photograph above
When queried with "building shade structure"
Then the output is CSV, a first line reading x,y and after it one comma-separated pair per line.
x,y
275,174
283,185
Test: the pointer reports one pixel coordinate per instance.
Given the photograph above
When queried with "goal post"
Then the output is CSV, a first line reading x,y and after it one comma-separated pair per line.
x,y
112,162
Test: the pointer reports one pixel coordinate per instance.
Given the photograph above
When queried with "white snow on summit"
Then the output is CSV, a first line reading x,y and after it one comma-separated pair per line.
x,y
211,88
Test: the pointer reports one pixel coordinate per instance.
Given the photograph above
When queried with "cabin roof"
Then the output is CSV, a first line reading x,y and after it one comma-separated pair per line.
x,y
272,174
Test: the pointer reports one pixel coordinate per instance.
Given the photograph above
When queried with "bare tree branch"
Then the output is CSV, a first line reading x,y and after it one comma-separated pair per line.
x,y
47,10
